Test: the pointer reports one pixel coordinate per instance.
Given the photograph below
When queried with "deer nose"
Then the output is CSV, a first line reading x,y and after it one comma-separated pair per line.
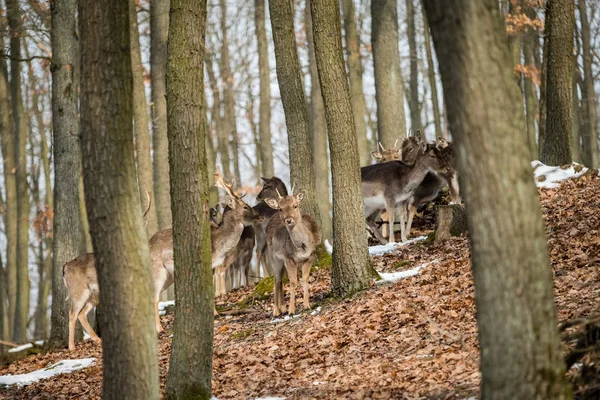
x,y
289,221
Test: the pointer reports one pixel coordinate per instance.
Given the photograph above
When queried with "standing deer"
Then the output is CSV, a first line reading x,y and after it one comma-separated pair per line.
x,y
384,156
392,183
80,274
292,238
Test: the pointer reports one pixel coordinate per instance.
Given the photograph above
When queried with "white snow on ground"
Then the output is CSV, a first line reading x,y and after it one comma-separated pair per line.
x,y
61,367
390,277
388,248
162,306
549,177
25,346
286,318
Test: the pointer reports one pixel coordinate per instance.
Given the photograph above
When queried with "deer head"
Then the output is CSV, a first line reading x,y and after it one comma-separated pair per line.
x,y
410,148
271,188
432,159
386,155
242,212
288,207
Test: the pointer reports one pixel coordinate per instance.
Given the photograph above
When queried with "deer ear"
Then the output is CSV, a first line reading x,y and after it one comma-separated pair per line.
x,y
300,195
418,134
230,201
272,203
265,180
377,155
423,147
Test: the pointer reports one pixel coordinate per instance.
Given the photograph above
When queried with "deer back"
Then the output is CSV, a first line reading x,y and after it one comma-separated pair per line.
x,y
81,278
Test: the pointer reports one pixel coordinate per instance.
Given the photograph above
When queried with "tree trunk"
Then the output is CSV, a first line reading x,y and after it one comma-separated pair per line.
x,y
229,96
389,87
451,220
264,125
129,348
437,120
529,91
318,132
211,162
542,105
289,76
516,316
414,104
84,226
355,76
560,23
67,160
159,29
218,121
20,126
142,131
190,369
10,186
590,120
576,110
351,269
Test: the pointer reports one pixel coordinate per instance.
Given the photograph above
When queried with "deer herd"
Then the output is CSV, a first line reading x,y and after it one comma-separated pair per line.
x,y
282,238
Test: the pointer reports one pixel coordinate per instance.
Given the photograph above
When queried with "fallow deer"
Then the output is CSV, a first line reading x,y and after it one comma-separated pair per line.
x,y
392,183
292,238
382,156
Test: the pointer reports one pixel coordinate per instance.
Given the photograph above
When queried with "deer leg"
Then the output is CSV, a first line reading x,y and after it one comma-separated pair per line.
x,y
371,223
74,311
305,275
292,272
384,227
85,323
411,213
454,190
159,328
403,223
390,208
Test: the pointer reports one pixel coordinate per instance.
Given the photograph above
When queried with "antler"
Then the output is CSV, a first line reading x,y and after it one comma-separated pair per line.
x,y
395,144
220,182
149,204
293,186
280,196
380,145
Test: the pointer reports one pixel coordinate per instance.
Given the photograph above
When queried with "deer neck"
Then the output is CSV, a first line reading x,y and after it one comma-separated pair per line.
x,y
416,175
301,238
225,238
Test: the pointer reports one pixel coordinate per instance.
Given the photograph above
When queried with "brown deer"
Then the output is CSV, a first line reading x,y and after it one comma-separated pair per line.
x,y
392,183
292,238
384,156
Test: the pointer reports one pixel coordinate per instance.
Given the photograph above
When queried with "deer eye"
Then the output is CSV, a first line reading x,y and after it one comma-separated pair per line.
x,y
246,208
296,206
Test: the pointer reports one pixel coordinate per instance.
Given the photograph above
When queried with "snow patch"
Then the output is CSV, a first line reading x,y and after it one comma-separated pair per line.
x,y
391,277
286,318
61,367
328,246
26,346
315,312
388,248
162,306
549,177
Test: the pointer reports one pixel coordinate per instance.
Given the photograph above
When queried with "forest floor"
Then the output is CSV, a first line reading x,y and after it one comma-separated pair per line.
x,y
412,339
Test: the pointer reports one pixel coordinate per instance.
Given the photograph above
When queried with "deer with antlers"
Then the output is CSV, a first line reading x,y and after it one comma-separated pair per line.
x,y
292,238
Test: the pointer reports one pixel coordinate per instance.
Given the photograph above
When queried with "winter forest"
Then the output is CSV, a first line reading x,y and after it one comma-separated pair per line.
x,y
299,199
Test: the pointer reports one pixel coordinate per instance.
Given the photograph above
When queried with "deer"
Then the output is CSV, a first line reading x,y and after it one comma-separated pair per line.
x,y
392,183
80,274
292,238
386,155
239,270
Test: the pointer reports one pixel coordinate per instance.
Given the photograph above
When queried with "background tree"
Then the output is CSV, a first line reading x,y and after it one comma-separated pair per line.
x,y
414,103
129,350
560,23
518,332
389,86
351,268
159,29
437,121
190,371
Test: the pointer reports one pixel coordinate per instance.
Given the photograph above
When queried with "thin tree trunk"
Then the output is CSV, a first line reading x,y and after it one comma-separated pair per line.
x,y
20,126
10,186
264,125
219,122
414,103
389,86
560,24
437,120
213,195
289,76
529,92
518,332
159,29
129,348
86,239
142,130
590,120
190,371
351,269
318,131
253,129
577,109
542,105
355,76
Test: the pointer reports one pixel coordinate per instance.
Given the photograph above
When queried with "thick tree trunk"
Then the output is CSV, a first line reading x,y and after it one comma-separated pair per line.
x,y
389,86
142,130
414,104
589,122
159,29
318,132
518,332
229,96
351,268
560,23
67,160
355,72
437,120
289,76
21,131
129,349
190,369
7,133
264,125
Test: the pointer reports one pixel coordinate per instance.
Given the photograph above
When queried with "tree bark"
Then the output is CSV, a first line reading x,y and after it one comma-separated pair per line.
x,y
577,109
414,103
518,333
7,133
318,132
389,86
190,371
437,120
542,105
142,130
289,76
159,29
21,131
529,92
560,24
351,269
129,348
84,226
355,76
264,124
590,120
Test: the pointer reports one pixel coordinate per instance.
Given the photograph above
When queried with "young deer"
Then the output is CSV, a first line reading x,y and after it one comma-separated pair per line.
x,y
239,271
292,238
384,156
387,184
